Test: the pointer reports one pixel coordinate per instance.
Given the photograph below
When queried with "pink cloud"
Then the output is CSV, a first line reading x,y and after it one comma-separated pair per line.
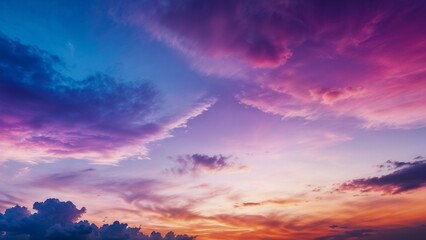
x,y
305,58
329,97
220,28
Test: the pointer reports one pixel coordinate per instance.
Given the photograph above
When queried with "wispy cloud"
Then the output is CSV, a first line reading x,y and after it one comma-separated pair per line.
x,y
290,201
303,59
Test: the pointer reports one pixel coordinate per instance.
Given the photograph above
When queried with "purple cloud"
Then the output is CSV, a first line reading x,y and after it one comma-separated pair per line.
x,y
305,59
134,191
198,163
56,220
254,31
41,109
352,234
18,220
395,233
406,176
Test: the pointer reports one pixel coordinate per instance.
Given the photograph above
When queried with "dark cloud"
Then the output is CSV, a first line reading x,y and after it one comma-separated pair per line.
x,y
198,163
406,176
52,211
411,232
64,115
352,234
56,220
336,226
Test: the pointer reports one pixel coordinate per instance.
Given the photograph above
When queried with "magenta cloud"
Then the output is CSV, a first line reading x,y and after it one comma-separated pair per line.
x,y
307,59
221,28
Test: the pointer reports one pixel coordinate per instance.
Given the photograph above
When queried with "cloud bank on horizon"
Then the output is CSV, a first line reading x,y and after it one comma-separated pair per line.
x,y
406,176
56,220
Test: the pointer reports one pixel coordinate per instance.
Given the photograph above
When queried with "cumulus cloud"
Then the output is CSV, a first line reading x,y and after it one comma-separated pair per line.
x,y
304,58
198,163
47,113
405,176
56,220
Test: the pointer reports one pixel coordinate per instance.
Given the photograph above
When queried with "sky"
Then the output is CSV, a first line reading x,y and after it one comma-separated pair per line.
x,y
212,119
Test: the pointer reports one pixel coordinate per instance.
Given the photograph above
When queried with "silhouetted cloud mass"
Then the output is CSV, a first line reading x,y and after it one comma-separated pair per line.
x,y
406,176
56,220
352,234
398,233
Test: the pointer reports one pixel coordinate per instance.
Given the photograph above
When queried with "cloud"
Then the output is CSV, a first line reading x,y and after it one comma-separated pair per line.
x,y
8,200
52,211
366,81
406,176
337,226
394,233
100,118
270,201
199,163
304,59
411,232
147,198
56,220
352,234
331,96
219,28
137,191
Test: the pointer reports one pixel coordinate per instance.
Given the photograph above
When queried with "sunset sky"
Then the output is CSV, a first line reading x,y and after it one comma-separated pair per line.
x,y
221,119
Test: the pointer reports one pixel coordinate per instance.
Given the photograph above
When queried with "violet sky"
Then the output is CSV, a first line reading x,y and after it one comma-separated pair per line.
x,y
222,119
